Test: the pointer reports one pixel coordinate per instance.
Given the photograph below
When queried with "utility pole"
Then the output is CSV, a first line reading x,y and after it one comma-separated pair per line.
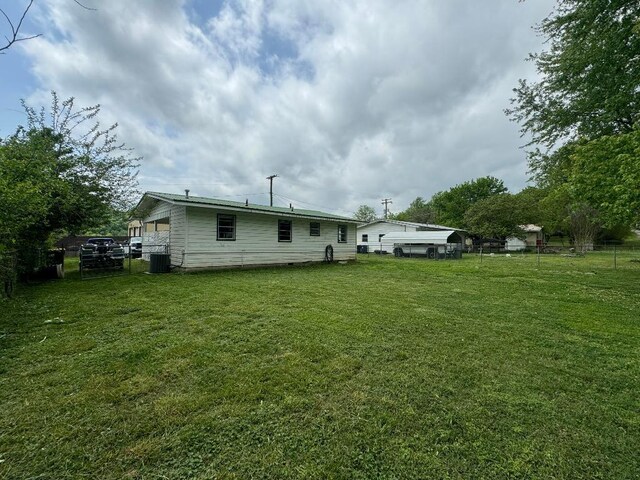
x,y
270,178
385,202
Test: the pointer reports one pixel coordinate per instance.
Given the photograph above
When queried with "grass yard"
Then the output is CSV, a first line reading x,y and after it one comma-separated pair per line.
x,y
386,368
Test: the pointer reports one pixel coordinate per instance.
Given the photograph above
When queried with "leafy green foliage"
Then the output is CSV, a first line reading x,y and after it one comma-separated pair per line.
x,y
365,214
60,176
494,217
419,211
116,224
605,173
590,83
451,206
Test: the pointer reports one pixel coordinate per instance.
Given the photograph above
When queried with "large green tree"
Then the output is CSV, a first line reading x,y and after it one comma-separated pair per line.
x,y
589,75
365,213
497,216
450,206
583,112
61,173
419,211
605,173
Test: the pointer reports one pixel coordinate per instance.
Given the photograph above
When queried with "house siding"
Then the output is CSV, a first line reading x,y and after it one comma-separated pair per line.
x,y
178,234
256,240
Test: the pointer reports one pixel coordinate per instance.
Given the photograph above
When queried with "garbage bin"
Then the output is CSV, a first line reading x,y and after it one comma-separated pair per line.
x,y
159,262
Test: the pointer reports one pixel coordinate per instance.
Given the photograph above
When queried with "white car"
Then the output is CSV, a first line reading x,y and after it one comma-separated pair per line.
x,y
133,248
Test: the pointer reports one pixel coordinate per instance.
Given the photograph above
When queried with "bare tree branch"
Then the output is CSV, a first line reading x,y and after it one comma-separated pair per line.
x,y
15,30
85,7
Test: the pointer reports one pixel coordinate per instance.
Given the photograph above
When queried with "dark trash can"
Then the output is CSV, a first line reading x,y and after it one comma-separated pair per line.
x,y
159,262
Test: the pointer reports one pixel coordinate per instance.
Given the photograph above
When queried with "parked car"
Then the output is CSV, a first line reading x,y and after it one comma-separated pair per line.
x,y
101,252
133,248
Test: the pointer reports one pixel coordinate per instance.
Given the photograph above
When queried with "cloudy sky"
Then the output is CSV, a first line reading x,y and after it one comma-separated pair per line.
x,y
348,102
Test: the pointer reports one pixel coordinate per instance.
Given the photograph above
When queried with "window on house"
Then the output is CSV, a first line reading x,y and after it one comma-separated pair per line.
x,y
342,233
226,227
314,229
380,236
365,237
284,230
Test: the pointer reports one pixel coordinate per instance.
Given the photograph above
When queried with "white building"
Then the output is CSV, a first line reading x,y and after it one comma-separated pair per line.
x,y
201,233
533,237
370,235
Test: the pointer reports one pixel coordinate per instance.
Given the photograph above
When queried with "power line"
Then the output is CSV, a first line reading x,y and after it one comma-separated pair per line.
x,y
270,178
386,202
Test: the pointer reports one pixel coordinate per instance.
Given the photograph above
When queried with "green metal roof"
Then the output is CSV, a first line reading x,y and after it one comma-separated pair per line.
x,y
214,202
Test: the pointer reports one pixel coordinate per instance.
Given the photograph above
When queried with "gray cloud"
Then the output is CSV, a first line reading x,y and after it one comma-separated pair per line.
x,y
348,102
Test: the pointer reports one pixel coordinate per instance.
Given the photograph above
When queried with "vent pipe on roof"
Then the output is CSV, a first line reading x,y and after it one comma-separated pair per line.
x,y
291,207
186,193
246,202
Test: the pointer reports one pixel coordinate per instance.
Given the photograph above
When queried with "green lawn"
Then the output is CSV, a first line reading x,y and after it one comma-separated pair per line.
x,y
386,368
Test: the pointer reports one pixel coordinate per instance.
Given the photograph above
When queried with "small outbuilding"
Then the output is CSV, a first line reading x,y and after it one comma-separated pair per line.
x,y
532,238
203,233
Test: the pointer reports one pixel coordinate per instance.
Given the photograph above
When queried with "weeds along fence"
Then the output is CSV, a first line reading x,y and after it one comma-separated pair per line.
x,y
602,256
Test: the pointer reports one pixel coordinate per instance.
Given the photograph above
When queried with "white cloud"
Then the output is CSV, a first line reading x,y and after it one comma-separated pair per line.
x,y
348,102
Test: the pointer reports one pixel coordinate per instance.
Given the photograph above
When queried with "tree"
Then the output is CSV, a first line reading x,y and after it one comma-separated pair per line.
x,y
14,36
66,175
590,75
365,214
528,203
585,225
450,206
605,173
116,224
495,217
419,211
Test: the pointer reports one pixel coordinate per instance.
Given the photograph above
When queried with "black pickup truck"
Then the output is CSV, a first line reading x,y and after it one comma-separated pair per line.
x,y
101,252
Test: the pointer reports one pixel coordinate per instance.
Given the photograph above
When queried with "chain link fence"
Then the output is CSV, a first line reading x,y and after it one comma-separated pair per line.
x,y
602,256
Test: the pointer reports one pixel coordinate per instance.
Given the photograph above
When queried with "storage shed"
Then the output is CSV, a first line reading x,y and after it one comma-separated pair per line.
x,y
435,244
532,238
202,233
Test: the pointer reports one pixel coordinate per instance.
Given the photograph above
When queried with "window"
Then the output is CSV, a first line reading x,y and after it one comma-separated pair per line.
x,y
342,233
226,227
314,229
365,237
284,230
380,237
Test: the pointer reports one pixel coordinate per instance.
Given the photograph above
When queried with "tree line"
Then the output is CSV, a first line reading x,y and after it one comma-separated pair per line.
x,y
582,117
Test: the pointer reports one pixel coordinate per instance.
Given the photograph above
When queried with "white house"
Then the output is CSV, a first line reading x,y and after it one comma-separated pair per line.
x,y
201,233
370,234
533,237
